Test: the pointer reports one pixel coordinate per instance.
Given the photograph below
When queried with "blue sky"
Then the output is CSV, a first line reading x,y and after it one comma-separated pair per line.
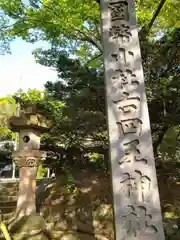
x,y
19,69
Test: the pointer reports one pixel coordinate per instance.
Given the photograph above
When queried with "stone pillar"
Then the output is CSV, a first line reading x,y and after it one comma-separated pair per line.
x,y
30,124
137,209
28,162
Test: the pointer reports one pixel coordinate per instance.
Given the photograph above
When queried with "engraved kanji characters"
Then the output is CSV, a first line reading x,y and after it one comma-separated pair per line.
x,y
126,96
127,108
123,78
130,136
122,56
119,10
132,153
121,31
138,222
127,184
129,126
135,183
128,105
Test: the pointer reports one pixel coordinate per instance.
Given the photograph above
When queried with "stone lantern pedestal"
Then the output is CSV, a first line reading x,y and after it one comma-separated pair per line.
x,y
28,162
28,156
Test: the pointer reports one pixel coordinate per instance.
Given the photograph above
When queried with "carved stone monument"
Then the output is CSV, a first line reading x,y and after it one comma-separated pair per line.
x,y
28,156
137,209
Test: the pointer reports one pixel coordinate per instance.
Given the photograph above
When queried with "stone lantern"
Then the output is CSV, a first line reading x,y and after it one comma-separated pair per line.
x,y
28,157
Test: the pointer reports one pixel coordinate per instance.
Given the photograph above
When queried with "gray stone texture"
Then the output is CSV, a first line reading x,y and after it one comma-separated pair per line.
x,y
137,209
30,124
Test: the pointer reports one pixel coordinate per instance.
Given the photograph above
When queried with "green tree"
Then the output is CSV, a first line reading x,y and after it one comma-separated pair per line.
x,y
7,109
75,24
73,27
5,38
81,88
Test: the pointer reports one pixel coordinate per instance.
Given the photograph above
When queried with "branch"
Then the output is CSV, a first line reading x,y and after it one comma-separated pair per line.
x,y
146,29
93,42
94,58
161,4
98,31
159,140
87,37
25,20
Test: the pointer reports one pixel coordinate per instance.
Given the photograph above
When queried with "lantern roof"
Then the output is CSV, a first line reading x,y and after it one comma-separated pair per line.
x,y
30,119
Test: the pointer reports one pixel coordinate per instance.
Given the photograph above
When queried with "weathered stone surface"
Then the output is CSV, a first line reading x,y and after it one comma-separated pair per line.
x,y
30,118
26,203
56,200
31,158
86,214
69,236
28,157
62,225
29,227
136,198
35,121
8,198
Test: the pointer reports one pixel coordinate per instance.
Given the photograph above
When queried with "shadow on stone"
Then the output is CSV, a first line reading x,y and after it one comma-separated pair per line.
x,y
29,228
85,214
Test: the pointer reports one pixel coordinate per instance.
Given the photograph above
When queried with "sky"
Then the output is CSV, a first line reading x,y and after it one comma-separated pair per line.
x,y
19,69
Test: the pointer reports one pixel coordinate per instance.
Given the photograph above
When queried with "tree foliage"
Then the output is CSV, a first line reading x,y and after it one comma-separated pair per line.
x,y
76,102
81,88
7,109
5,38
75,24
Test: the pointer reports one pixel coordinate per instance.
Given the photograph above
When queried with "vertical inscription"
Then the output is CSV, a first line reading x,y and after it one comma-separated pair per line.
x,y
134,168
121,32
127,104
132,154
124,78
122,56
119,10
135,183
138,222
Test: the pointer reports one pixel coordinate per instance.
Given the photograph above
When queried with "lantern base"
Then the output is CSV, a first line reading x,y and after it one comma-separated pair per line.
x,y
29,227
